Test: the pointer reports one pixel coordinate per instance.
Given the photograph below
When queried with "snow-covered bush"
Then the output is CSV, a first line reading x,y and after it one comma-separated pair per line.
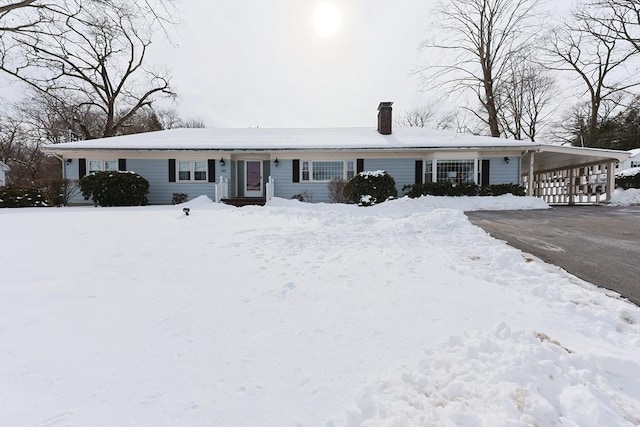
x,y
116,188
629,178
371,187
21,197
461,189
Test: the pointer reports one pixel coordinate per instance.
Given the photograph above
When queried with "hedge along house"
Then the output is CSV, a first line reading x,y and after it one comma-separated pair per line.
x,y
256,164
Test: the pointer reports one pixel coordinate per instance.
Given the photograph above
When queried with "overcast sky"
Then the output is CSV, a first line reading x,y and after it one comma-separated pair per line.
x,y
263,63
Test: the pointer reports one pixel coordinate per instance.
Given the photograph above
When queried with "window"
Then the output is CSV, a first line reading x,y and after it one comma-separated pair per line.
x,y
453,171
102,165
192,170
351,172
428,171
326,170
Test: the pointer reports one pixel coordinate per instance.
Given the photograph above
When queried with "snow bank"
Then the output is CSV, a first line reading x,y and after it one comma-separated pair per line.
x,y
630,197
300,314
505,378
407,206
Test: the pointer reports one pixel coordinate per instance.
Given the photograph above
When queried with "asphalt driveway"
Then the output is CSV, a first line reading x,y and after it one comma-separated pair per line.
x,y
599,244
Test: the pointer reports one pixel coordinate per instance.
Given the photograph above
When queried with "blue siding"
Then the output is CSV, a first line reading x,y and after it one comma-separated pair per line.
x,y
286,188
156,171
501,172
403,171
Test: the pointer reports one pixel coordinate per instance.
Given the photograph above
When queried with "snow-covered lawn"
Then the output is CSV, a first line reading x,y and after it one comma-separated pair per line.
x,y
403,314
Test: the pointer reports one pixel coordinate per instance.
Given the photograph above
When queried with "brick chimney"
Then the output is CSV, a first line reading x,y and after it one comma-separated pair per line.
x,y
384,118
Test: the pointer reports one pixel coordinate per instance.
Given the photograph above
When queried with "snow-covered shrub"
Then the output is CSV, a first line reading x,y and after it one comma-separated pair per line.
x,y
305,196
629,179
337,193
441,189
461,189
115,188
371,187
500,189
179,198
21,197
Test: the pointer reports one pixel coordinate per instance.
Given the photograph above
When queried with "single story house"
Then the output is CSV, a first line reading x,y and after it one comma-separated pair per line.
x,y
632,162
3,170
263,163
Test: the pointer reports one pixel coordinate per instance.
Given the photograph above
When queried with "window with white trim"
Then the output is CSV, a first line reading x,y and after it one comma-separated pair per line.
x,y
192,170
102,165
326,170
454,171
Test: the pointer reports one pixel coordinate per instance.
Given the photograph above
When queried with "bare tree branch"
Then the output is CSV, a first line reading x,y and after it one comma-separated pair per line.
x,y
480,37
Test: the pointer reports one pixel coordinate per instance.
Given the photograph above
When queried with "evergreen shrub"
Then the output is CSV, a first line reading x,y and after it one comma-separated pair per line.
x,y
21,197
370,188
115,188
462,189
629,181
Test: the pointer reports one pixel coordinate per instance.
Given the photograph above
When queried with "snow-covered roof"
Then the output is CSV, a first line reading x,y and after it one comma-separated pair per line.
x,y
635,152
289,139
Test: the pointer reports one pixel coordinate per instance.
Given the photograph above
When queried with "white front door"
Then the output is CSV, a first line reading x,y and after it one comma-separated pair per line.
x,y
253,178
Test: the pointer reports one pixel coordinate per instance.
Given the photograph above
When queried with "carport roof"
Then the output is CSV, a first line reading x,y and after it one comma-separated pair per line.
x,y
549,158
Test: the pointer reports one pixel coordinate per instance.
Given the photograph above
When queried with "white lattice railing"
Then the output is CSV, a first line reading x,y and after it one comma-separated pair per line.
x,y
270,188
588,184
222,189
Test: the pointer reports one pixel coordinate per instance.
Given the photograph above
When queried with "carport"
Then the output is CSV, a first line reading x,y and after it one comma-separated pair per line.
x,y
570,175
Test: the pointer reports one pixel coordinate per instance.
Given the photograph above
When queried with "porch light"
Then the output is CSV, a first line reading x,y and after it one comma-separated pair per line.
x,y
276,162
506,160
68,161
221,161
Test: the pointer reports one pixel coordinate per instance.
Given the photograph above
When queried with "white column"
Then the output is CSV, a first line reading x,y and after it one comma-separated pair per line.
x,y
611,180
531,177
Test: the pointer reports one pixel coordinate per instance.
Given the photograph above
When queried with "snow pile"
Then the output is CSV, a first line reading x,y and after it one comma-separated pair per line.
x,y
630,197
406,205
505,378
300,314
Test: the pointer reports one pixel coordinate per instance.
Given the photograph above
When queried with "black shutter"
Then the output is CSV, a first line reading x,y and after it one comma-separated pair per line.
x,y
485,172
211,166
419,178
296,171
82,167
122,164
359,165
172,170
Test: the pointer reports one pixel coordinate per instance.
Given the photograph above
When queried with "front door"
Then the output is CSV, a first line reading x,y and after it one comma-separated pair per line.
x,y
253,178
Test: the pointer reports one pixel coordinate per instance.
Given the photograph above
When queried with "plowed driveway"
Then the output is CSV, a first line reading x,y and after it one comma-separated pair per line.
x,y
599,244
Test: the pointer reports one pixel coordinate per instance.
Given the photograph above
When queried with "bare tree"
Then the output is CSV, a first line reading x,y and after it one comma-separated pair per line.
x,y
20,149
619,17
90,52
594,53
416,117
524,98
192,123
481,37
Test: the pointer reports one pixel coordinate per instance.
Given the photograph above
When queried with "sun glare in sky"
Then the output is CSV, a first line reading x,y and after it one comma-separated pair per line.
x,y
326,19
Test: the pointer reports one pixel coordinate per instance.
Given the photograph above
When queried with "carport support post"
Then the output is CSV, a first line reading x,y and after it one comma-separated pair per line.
x,y
611,180
531,177
572,187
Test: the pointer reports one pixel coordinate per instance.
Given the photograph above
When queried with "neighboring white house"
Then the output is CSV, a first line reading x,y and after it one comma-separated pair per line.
x,y
631,162
3,169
